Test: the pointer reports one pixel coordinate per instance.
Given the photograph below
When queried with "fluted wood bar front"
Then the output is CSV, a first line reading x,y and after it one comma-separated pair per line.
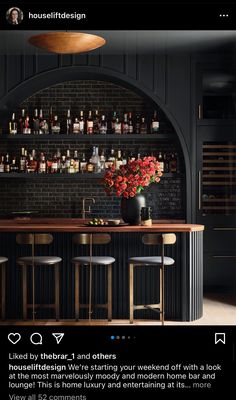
x,y
184,282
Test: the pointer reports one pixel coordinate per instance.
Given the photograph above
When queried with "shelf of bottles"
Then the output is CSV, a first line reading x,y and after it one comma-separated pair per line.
x,y
31,164
130,123
219,178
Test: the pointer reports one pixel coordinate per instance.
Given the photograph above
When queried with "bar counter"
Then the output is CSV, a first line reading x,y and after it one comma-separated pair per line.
x,y
183,281
78,225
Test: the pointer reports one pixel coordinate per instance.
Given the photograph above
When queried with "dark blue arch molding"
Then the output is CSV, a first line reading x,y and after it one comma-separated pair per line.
x,y
49,78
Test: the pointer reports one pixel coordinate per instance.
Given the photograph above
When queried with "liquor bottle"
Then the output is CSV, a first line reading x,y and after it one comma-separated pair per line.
x,y
117,128
7,164
103,126
51,119
76,161
125,125
54,166
111,159
113,122
56,126
131,156
14,167
13,125
68,123
124,158
32,163
25,123
83,164
161,161
42,169
95,160
96,123
67,160
90,124
154,123
36,122
71,169
91,162
130,124
102,161
166,163
23,158
76,126
173,163
63,165
81,123
2,168
119,160
43,125
143,126
137,124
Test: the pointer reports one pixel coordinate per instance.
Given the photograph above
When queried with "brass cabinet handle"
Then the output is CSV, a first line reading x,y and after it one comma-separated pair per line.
x,y
199,111
224,256
224,229
199,190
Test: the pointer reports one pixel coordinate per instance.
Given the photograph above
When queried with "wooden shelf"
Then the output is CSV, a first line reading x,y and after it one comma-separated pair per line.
x,y
89,138
76,176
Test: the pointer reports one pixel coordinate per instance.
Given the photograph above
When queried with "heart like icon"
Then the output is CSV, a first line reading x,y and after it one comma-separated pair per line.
x,y
14,337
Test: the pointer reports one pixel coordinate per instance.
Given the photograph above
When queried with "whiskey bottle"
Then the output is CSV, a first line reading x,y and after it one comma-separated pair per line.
x,y
102,161
113,122
2,169
14,167
90,124
76,126
173,163
76,161
143,126
56,126
137,124
36,122
54,166
111,159
63,165
95,160
25,123
103,126
42,169
130,124
96,123
154,123
125,125
68,123
161,161
67,160
13,125
119,160
118,129
7,164
43,125
83,164
81,123
23,158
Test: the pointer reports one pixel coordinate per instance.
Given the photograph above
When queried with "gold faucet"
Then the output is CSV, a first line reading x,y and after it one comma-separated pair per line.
x,y
84,211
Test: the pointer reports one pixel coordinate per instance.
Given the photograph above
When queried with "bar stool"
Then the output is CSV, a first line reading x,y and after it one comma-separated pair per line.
x,y
33,261
157,261
3,261
90,261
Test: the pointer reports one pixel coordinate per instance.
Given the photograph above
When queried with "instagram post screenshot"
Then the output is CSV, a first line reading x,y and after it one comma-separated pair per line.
x,y
117,200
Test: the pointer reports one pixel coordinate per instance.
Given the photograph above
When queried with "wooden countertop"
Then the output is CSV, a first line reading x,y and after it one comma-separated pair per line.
x,y
77,225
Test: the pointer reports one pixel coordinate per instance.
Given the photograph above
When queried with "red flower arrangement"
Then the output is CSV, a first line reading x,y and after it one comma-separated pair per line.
x,y
133,177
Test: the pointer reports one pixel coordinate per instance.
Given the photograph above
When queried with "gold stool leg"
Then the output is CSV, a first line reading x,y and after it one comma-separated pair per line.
x,y
24,288
162,295
77,269
57,292
109,291
3,291
131,293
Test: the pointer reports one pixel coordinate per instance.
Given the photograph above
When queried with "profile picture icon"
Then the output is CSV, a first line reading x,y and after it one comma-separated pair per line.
x,y
14,16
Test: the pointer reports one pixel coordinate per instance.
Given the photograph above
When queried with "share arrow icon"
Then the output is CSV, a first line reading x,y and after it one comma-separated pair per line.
x,y
58,336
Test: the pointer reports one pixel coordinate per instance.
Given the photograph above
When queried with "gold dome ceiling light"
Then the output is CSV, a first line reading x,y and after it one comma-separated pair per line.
x,y
67,42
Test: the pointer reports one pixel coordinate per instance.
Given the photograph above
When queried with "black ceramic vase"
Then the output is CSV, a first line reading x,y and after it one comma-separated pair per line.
x,y
131,209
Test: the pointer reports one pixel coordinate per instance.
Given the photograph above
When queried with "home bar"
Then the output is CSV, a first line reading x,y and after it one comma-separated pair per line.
x,y
127,153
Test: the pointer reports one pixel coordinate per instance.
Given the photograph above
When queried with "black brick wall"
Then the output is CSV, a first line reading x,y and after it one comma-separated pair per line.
x,y
62,197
